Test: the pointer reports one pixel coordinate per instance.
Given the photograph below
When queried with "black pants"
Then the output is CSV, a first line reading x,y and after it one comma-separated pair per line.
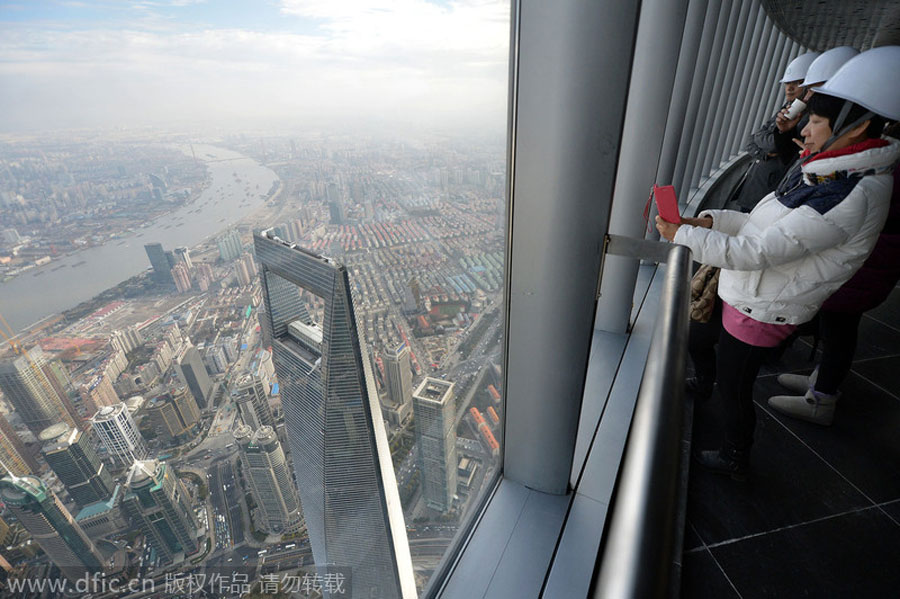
x,y
738,364
839,332
734,366
702,342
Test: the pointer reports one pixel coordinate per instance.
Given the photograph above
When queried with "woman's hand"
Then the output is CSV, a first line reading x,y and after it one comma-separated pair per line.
x,y
668,230
665,228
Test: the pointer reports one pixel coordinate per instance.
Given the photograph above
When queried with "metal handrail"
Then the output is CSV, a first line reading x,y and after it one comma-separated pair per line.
x,y
637,557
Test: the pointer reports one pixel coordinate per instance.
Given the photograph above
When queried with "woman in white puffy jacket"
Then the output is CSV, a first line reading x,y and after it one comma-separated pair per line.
x,y
781,261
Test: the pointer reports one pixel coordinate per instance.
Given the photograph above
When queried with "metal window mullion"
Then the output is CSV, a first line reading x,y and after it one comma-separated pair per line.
x,y
745,67
706,76
772,75
569,58
747,118
688,134
714,92
649,91
681,91
721,127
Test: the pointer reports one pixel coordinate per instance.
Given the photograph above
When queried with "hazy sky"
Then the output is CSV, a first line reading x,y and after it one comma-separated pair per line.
x,y
72,64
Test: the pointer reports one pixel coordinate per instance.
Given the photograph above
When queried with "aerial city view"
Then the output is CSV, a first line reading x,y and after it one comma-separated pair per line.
x,y
247,351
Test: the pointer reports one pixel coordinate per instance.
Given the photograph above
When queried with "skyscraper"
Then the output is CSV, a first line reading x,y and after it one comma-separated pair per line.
x,y
398,377
69,453
119,435
126,340
173,414
34,389
229,245
332,418
157,503
250,263
252,398
162,269
182,277
183,255
266,469
97,392
241,274
191,372
435,414
13,454
50,524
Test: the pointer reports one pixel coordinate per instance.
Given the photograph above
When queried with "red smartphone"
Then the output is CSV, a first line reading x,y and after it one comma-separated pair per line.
x,y
667,203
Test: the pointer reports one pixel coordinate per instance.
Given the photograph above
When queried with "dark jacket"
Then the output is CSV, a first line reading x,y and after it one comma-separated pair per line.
x,y
879,274
773,153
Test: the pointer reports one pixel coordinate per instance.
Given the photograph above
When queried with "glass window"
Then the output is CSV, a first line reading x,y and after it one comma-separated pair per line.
x,y
290,217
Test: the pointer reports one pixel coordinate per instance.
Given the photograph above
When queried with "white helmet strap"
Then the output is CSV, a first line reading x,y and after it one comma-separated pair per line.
x,y
839,129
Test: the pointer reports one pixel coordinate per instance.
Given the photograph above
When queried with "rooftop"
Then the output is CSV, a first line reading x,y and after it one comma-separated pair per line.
x,y
99,507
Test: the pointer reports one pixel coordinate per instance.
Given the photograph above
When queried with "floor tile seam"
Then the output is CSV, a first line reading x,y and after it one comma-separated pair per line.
x,y
725,574
699,536
792,526
506,544
873,383
817,454
890,516
882,323
873,358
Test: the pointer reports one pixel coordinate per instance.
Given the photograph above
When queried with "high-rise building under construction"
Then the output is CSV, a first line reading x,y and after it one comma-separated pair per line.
x,y
34,387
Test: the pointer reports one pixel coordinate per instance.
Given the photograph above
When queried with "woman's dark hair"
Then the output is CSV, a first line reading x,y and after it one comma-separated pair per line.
x,y
830,107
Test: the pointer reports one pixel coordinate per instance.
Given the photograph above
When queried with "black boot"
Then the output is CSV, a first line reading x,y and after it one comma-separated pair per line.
x,y
699,388
732,462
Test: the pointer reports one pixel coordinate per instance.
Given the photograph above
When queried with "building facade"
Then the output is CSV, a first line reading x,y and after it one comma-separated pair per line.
x,y
34,387
103,518
398,383
157,503
15,457
119,435
70,454
159,260
266,470
97,393
51,525
191,372
174,414
229,246
252,398
333,421
434,407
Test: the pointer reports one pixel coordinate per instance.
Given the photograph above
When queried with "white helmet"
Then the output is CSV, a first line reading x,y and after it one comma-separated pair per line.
x,y
827,64
796,70
870,79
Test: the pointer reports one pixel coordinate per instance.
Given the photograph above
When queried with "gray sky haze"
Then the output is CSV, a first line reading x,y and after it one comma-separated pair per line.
x,y
105,63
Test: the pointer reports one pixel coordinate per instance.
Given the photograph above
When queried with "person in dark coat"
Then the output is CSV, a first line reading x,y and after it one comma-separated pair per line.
x,y
771,146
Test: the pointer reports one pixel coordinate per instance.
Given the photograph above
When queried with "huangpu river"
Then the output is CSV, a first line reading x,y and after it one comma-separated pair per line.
x,y
236,189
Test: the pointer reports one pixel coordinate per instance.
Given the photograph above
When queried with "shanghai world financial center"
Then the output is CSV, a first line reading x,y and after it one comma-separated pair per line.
x,y
333,421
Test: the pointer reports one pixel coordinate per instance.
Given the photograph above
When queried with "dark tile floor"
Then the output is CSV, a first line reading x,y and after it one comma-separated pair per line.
x,y
819,515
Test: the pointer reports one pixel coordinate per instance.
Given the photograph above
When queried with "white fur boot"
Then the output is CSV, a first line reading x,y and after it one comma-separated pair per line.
x,y
814,407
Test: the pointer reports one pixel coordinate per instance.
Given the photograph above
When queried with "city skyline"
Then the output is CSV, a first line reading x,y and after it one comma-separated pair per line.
x,y
419,244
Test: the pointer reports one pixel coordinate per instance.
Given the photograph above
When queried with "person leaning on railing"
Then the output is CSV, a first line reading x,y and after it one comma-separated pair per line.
x,y
802,242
